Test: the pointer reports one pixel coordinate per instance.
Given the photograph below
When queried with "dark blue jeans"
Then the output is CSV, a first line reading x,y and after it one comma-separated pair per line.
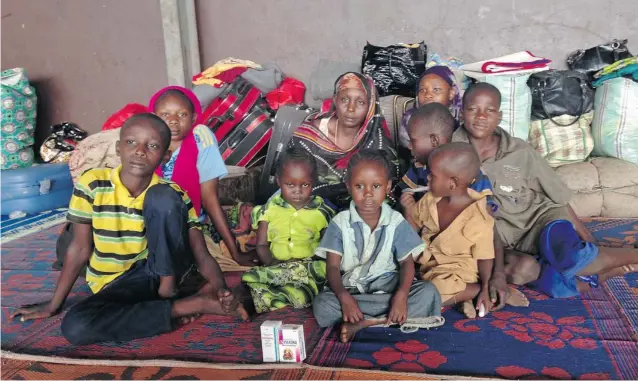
x,y
129,307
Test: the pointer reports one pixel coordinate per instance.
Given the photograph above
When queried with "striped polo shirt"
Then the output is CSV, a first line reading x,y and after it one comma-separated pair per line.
x,y
119,235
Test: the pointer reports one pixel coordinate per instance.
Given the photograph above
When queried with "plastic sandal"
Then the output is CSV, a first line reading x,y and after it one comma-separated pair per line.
x,y
413,325
592,280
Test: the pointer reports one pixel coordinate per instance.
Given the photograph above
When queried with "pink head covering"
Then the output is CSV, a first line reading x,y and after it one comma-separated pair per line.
x,y
197,107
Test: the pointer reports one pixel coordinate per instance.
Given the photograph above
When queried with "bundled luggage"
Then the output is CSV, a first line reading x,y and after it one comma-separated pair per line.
x,y
564,139
19,103
615,125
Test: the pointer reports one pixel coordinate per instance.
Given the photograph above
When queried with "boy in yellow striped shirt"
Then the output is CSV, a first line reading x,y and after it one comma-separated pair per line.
x,y
139,234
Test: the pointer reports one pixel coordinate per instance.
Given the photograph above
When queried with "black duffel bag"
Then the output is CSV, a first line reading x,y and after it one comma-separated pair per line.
x,y
560,92
591,60
395,69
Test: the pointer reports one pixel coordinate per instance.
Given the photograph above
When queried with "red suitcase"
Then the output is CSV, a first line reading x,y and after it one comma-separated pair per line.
x,y
249,138
231,107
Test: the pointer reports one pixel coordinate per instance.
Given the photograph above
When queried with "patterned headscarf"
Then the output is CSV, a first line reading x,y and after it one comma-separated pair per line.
x,y
447,75
331,159
455,108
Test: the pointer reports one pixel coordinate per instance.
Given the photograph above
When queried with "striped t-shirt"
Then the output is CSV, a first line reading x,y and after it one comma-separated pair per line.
x,y
119,235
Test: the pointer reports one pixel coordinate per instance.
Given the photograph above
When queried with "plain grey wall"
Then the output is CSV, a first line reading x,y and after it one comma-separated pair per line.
x,y
87,58
297,34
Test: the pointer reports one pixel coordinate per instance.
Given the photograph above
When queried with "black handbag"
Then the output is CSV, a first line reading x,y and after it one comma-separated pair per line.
x,y
591,60
560,92
395,69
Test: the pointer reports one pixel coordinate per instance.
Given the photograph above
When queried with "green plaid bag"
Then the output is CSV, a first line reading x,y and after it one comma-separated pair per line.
x,y
18,120
561,145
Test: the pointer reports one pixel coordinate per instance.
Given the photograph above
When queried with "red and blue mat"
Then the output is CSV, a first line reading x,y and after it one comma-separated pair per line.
x,y
594,337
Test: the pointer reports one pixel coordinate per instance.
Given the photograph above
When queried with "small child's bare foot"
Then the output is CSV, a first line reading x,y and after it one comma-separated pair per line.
x,y
227,301
467,308
517,299
618,271
348,331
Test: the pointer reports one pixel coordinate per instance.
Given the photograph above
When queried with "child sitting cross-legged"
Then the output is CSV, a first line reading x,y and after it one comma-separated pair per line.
x,y
455,223
289,228
370,251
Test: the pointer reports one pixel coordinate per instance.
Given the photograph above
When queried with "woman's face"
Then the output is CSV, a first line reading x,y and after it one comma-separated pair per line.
x,y
351,107
434,89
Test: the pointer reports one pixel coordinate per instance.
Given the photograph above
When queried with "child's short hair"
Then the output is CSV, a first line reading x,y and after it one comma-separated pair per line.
x,y
484,86
297,155
459,159
158,124
176,93
369,155
430,118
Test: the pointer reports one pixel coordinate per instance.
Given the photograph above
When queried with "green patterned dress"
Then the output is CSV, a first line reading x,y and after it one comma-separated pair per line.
x,y
293,236
293,283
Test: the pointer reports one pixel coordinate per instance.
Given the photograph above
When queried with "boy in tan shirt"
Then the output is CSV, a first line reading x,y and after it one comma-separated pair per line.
x,y
455,223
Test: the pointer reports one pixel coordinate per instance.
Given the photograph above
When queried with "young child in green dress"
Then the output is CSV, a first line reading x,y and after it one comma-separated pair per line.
x,y
289,228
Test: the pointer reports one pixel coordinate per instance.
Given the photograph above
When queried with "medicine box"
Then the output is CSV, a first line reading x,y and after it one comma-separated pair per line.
x,y
292,346
269,340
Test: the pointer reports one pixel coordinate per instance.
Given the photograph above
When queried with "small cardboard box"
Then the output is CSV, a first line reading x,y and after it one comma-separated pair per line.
x,y
292,346
269,340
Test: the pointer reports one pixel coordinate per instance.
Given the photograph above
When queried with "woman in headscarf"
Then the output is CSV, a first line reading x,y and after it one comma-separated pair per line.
x,y
436,84
354,122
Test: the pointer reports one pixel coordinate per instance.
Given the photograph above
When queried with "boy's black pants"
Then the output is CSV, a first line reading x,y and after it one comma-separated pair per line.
x,y
129,307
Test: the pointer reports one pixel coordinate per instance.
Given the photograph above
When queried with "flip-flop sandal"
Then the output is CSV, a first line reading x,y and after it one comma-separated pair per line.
x,y
413,325
382,317
592,280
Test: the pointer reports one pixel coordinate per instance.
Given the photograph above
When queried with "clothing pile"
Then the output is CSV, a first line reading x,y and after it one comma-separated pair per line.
x,y
239,100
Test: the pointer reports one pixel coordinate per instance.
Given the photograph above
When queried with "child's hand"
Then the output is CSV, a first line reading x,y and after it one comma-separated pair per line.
x,y
34,311
244,260
350,309
499,291
407,200
398,308
483,302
